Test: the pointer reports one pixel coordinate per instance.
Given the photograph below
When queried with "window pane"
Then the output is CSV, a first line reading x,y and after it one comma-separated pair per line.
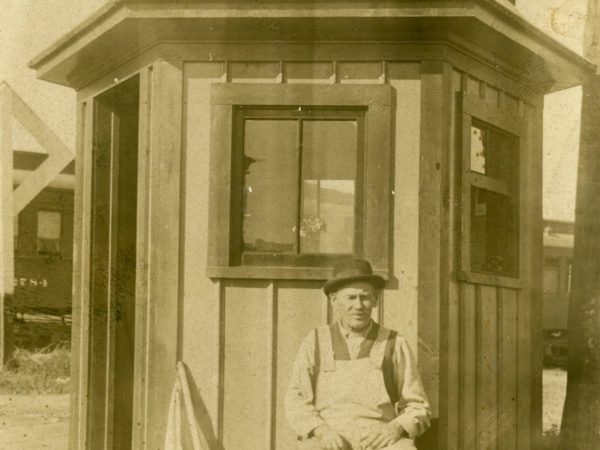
x,y
48,225
270,187
48,232
493,233
329,168
490,151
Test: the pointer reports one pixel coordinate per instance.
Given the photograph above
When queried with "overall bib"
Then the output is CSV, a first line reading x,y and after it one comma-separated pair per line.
x,y
351,394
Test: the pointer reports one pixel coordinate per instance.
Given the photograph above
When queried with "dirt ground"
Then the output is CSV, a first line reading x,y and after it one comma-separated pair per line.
x,y
29,422
555,386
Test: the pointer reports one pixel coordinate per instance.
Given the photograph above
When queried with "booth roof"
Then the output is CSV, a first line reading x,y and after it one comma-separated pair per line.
x,y
491,23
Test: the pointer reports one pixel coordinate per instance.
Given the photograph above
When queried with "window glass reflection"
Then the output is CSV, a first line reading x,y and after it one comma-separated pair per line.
x,y
329,167
270,188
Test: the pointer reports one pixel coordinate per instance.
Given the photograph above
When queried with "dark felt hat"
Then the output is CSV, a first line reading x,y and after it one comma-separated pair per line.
x,y
351,270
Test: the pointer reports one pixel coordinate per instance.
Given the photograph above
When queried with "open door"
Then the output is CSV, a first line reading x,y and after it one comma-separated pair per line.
x,y
113,266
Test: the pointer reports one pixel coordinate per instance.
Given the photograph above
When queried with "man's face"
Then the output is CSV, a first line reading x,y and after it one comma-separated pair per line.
x,y
353,304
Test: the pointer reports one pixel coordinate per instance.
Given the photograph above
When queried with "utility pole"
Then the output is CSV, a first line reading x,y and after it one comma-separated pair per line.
x,y
6,222
581,415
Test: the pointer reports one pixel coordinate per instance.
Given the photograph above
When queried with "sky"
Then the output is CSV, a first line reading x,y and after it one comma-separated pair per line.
x,y
29,26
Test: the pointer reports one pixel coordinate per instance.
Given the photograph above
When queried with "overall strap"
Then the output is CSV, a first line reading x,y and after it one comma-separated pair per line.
x,y
317,367
387,367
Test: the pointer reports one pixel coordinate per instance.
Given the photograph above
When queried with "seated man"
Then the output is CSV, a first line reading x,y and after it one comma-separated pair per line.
x,y
355,384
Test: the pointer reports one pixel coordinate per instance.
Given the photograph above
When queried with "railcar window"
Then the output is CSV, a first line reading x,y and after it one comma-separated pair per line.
x,y
49,233
551,275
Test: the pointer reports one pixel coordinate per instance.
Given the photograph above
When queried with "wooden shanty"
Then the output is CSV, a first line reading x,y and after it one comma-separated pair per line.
x,y
230,152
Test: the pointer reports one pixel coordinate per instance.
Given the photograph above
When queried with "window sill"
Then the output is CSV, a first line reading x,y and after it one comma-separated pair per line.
x,y
275,273
490,280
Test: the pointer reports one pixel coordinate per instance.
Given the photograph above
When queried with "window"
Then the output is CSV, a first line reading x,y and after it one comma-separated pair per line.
x,y
490,193
48,233
305,171
550,278
299,184
16,232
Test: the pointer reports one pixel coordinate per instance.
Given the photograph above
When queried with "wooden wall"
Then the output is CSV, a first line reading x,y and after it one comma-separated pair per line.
x,y
491,335
239,337
476,344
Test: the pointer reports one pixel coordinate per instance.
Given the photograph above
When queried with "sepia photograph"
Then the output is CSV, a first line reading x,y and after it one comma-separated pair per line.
x,y
300,224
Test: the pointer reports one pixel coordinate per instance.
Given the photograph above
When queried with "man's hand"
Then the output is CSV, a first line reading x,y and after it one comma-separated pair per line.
x,y
382,435
329,439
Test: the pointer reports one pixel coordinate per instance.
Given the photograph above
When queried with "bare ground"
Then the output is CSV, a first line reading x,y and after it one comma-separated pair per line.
x,y
29,422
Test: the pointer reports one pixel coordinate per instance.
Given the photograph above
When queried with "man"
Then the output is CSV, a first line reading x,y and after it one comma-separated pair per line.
x,y
355,384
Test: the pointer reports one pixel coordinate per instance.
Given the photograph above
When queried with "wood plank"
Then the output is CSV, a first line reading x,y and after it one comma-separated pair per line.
x,y
507,369
140,385
308,72
254,72
200,319
290,94
246,406
451,364
360,72
59,154
524,386
401,307
534,115
80,336
164,239
504,119
300,308
468,362
451,309
487,368
434,143
220,186
100,276
270,381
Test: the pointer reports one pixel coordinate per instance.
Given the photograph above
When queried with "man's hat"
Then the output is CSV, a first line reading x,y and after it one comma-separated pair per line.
x,y
351,270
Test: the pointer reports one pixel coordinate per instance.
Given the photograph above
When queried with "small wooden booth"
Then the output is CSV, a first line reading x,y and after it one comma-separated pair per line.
x,y
230,152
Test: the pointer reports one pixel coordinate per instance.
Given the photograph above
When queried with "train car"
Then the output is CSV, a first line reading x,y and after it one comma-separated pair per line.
x,y
43,240
558,255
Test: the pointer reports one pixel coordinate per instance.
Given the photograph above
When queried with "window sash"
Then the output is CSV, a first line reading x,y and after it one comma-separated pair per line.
x,y
473,110
300,114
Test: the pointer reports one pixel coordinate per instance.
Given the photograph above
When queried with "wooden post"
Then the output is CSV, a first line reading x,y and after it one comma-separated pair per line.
x,y
6,221
581,415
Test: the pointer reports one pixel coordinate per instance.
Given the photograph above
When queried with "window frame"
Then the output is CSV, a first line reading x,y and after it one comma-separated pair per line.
x,y
472,110
376,103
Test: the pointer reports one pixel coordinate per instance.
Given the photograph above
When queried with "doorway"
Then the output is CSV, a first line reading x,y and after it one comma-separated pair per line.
x,y
113,266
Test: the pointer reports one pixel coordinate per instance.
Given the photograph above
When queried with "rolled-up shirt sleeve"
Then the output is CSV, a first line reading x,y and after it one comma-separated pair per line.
x,y
301,411
414,412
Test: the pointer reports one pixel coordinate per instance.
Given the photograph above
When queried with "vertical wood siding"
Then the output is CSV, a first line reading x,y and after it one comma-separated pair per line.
x,y
239,337
496,405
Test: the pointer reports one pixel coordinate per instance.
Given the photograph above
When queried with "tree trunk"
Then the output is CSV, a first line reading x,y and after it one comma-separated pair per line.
x,y
581,415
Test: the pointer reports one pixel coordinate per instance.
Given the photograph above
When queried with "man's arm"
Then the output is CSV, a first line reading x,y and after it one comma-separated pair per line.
x,y
414,412
300,408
